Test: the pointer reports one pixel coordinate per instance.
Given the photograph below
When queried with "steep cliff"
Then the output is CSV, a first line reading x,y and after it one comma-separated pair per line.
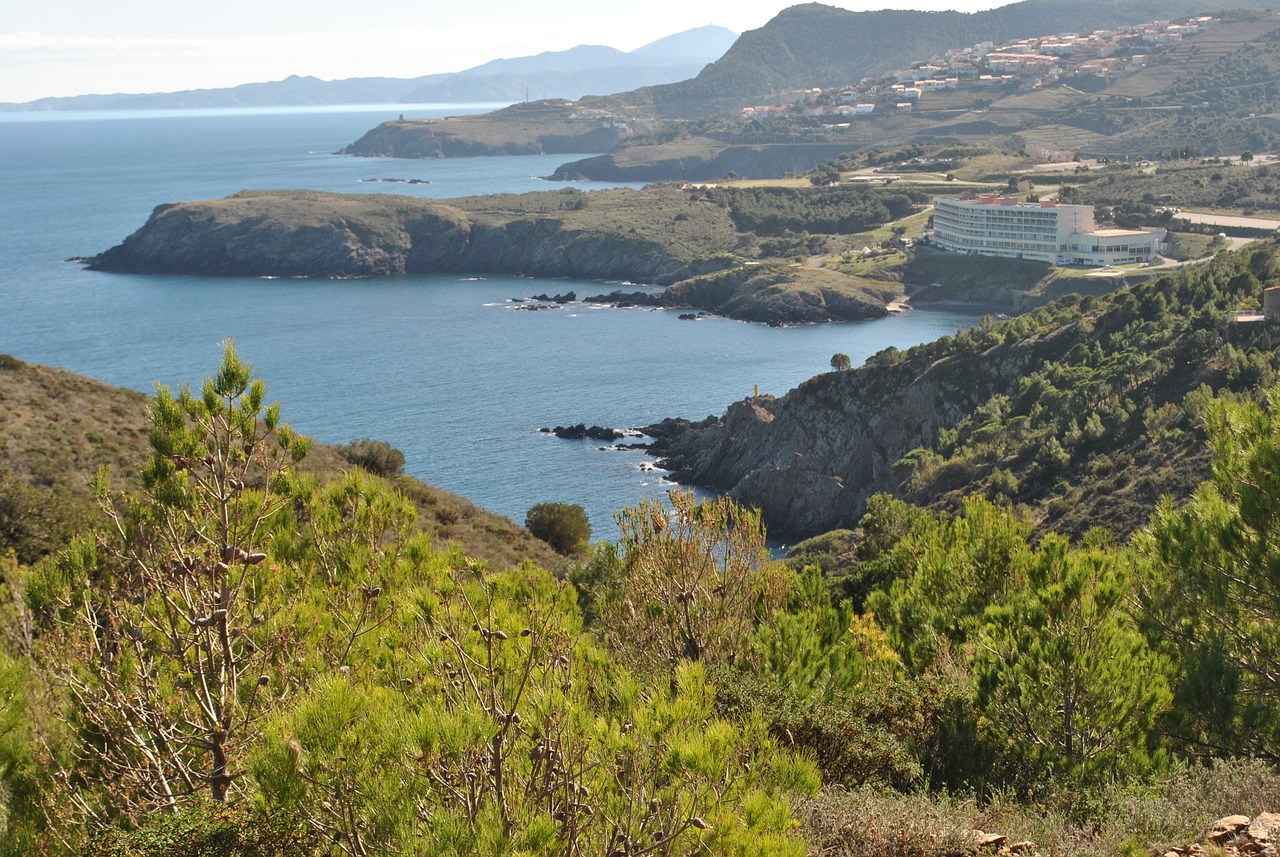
x,y
811,458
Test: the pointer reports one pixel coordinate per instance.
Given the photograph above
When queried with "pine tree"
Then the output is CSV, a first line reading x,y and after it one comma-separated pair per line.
x,y
1212,592
159,630
1063,670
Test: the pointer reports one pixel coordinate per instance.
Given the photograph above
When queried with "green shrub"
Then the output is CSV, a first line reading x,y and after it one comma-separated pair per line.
x,y
896,733
376,456
564,526
35,521
210,830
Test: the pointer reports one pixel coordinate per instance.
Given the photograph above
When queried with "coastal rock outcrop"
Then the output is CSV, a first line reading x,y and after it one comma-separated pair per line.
x,y
773,294
811,458
581,431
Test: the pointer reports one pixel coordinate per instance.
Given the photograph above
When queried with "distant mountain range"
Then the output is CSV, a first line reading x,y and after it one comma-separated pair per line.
x,y
573,73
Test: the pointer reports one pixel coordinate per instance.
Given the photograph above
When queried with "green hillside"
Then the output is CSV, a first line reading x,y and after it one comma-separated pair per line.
x,y
57,429
1085,412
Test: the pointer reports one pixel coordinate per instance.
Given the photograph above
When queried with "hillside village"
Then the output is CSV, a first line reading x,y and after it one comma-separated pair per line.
x,y
1028,63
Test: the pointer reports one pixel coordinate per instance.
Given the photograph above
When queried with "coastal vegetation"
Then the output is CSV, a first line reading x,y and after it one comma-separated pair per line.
x,y
1039,607
1148,193
564,526
242,655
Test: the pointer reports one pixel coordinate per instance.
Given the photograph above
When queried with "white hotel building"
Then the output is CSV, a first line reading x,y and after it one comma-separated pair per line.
x,y
1041,231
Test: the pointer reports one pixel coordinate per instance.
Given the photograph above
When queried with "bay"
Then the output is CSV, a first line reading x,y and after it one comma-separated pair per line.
x,y
443,368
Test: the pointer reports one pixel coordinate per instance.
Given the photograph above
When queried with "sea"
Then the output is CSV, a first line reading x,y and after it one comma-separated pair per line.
x,y
444,368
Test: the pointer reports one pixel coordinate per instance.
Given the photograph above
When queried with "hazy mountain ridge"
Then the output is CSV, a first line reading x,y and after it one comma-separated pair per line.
x,y
570,73
1210,93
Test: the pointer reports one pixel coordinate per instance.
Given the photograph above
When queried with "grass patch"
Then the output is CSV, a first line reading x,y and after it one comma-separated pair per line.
x,y
1193,246
993,167
789,182
1122,820
47,461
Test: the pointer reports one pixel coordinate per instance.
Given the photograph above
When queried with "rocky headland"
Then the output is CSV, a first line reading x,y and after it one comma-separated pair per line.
x,y
536,128
697,160
314,234
660,235
769,294
811,458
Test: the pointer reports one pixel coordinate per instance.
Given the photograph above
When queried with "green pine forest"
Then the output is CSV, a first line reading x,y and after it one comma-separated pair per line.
x,y
229,650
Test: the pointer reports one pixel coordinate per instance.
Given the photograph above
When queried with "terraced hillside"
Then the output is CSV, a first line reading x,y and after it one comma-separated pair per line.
x,y
1193,56
1210,93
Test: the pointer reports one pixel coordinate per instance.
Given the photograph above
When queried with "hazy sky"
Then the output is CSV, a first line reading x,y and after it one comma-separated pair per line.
x,y
74,47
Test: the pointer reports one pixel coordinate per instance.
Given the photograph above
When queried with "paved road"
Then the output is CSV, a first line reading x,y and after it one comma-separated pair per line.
x,y
1229,220
1232,244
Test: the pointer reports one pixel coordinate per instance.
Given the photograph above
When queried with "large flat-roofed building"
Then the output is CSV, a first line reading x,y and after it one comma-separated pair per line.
x,y
1112,246
1040,231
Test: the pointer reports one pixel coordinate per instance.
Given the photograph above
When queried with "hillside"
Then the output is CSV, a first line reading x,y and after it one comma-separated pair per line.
x,y
303,647
540,127
57,429
816,45
1207,92
1085,411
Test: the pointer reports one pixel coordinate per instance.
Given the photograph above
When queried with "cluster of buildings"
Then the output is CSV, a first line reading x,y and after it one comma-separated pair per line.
x,y
1042,231
1025,62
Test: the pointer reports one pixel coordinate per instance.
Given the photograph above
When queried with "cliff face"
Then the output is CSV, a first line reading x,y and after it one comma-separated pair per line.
x,y
811,458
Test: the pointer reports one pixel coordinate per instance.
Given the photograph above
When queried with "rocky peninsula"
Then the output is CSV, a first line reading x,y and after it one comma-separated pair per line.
x,y
535,128
697,160
708,250
811,458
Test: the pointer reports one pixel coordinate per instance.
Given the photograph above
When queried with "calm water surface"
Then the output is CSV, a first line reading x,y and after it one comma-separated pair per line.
x,y
442,367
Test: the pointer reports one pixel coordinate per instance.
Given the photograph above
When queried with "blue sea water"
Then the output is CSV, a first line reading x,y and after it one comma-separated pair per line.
x,y
441,367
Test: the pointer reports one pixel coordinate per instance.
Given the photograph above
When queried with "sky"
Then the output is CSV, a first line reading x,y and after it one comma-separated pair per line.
x,y
77,47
